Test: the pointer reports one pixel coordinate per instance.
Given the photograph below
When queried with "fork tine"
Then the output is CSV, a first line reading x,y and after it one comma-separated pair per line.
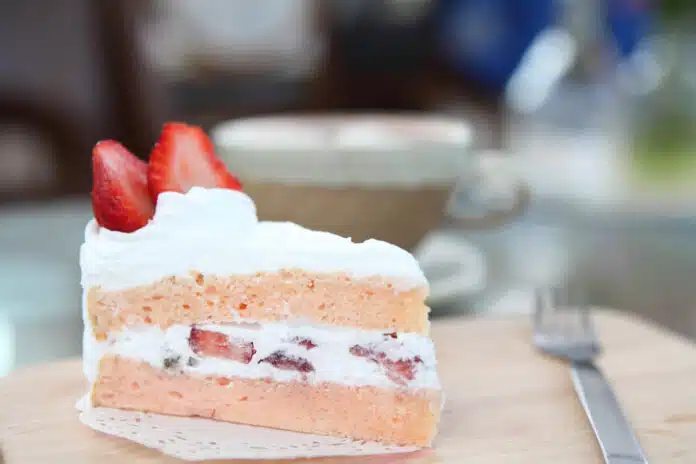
x,y
543,306
564,330
585,318
588,326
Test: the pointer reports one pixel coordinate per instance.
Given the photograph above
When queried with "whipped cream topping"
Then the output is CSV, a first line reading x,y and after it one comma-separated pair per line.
x,y
331,357
216,231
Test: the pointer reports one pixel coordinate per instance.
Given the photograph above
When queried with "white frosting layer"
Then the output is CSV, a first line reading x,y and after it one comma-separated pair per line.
x,y
331,358
216,231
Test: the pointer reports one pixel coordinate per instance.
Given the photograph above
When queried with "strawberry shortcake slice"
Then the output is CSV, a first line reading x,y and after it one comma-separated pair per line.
x,y
194,307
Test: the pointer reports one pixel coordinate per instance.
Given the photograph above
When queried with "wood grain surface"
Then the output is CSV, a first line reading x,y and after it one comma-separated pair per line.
x,y
505,402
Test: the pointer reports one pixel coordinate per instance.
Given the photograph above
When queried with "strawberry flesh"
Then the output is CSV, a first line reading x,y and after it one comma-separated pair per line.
x,y
286,362
219,345
184,158
399,371
305,342
120,198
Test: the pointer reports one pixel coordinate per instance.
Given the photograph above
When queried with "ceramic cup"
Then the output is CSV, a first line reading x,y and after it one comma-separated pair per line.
x,y
384,176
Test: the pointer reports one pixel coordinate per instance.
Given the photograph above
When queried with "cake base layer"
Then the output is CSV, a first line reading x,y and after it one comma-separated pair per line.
x,y
364,413
336,299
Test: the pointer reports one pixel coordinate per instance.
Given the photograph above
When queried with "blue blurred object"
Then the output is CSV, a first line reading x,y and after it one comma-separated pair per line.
x,y
629,21
486,39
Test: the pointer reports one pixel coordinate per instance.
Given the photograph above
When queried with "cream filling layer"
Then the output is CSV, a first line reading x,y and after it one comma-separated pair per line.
x,y
331,357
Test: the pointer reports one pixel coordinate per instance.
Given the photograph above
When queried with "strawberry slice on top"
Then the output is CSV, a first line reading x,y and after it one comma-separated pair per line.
x,y
120,196
184,158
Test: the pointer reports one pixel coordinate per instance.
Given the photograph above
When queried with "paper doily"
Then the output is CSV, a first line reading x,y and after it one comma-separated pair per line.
x,y
195,439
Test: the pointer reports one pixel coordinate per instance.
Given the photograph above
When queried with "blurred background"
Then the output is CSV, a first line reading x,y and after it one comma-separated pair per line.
x,y
589,103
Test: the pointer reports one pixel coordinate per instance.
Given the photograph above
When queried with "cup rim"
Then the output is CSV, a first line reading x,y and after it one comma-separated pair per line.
x,y
301,153
250,133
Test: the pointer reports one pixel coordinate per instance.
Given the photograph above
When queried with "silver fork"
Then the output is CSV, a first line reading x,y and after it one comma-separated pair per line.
x,y
569,334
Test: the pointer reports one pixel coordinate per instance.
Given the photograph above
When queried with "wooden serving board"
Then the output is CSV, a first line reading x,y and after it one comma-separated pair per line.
x,y
506,403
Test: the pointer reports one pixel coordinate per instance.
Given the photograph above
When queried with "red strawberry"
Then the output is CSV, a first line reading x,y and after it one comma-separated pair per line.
x,y
286,362
361,351
183,158
402,370
398,371
304,341
219,345
120,197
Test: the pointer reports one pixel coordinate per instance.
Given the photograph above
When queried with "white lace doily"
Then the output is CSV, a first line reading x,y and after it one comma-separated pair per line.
x,y
200,439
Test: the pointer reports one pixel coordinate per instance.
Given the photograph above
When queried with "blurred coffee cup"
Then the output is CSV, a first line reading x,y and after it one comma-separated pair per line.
x,y
362,176
384,176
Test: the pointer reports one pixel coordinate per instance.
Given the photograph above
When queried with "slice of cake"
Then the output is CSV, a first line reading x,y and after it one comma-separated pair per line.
x,y
193,307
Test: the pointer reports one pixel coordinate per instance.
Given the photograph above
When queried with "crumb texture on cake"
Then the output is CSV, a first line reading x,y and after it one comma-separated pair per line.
x,y
366,413
329,298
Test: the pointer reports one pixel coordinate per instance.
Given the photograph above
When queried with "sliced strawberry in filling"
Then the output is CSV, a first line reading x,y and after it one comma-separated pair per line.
x,y
305,342
399,371
219,345
286,362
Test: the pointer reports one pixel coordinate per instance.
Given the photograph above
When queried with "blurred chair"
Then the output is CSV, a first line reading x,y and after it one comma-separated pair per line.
x,y
41,150
70,74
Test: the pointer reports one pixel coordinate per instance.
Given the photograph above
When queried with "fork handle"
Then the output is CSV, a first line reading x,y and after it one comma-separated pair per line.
x,y
615,436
